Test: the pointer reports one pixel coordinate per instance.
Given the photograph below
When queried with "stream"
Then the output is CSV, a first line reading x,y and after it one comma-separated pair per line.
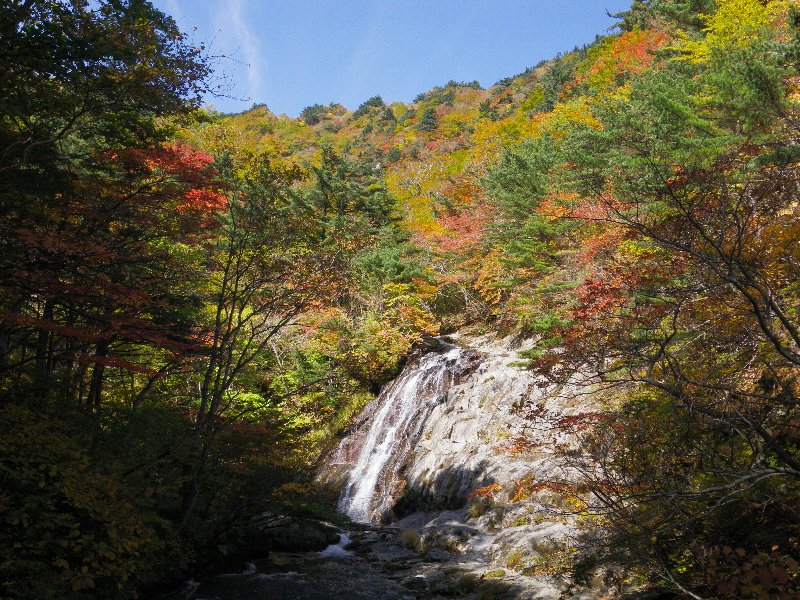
x,y
331,573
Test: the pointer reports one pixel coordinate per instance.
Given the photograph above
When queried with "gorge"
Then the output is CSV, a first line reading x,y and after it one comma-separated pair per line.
x,y
536,338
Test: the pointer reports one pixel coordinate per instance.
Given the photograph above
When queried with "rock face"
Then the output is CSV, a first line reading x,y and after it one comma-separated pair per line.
x,y
462,486
469,484
487,432
457,419
367,464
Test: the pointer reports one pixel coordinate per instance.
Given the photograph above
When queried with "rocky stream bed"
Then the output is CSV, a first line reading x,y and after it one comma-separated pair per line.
x,y
445,558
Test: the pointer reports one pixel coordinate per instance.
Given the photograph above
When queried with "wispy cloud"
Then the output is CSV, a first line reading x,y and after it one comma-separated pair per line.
x,y
241,44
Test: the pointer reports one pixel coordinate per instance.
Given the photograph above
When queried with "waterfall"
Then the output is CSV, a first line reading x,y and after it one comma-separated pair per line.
x,y
397,417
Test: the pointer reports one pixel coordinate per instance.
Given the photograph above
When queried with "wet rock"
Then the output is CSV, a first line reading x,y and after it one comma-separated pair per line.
x,y
491,429
361,539
397,415
392,552
650,595
439,583
276,532
307,579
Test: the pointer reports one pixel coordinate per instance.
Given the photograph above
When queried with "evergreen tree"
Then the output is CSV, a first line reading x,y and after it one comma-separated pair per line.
x,y
428,120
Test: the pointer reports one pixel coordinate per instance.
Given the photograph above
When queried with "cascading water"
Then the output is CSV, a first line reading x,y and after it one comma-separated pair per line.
x,y
397,417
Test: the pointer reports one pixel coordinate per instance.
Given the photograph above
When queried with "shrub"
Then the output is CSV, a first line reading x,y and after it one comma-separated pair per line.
x,y
66,525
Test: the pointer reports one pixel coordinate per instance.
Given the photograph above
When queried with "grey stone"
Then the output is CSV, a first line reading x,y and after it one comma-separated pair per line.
x,y
287,534
437,555
415,582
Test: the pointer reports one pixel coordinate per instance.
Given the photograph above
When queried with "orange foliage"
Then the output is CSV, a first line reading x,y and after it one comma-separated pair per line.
x,y
629,54
182,165
487,491
514,446
527,486
602,243
203,201
464,229
556,206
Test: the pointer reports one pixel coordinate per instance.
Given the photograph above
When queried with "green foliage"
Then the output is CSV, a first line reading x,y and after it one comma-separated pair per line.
x,y
67,523
487,111
520,181
392,260
387,117
662,186
374,351
428,121
495,574
474,84
437,96
313,114
559,72
364,108
394,154
686,14
349,197
518,185
111,102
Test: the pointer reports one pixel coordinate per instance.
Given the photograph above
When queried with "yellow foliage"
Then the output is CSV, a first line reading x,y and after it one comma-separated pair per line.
x,y
637,250
458,121
735,25
407,311
488,277
565,114
414,186
490,137
534,100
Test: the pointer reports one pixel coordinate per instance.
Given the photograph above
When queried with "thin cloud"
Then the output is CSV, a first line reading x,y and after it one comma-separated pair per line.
x,y
232,24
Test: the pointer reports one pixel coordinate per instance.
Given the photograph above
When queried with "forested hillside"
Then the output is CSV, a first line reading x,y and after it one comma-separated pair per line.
x,y
194,305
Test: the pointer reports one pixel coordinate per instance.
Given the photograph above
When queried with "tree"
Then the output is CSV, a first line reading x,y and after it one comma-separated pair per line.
x,y
96,282
264,268
98,216
428,120
349,198
690,313
364,108
85,89
101,75
644,14
313,114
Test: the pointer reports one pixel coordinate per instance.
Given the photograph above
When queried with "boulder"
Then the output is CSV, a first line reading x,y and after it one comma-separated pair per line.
x,y
437,555
267,532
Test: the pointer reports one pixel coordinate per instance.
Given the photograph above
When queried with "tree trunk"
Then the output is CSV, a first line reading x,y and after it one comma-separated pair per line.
x,y
96,385
5,345
42,359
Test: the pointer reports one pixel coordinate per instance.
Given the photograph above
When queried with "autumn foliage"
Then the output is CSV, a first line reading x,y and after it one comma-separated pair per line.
x,y
193,305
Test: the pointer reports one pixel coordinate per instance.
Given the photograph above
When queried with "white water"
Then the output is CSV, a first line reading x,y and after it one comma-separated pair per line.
x,y
338,549
399,412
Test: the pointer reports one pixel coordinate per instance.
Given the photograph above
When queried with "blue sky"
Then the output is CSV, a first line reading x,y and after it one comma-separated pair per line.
x,y
291,54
